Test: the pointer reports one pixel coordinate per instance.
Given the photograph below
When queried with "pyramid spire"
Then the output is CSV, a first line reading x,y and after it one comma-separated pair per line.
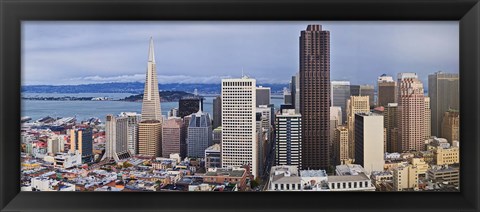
x,y
151,52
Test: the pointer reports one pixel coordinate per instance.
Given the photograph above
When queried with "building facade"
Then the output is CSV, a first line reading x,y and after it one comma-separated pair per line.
x,y
315,96
288,129
150,138
116,136
151,97
239,137
217,112
262,96
411,110
189,105
81,140
387,89
444,93
340,95
199,134
369,141
173,136
356,104
451,126
391,127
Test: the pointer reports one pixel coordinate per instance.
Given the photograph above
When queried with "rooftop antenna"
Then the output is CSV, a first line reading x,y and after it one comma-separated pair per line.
x,y
242,72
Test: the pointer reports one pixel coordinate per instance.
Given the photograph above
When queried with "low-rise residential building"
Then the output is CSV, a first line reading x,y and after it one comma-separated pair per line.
x,y
445,175
405,177
227,176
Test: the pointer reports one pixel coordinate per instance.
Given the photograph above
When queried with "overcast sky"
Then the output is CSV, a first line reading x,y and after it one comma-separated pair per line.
x,y
56,53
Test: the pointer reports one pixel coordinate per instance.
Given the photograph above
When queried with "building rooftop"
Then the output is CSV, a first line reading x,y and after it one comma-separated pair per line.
x,y
313,173
345,178
225,172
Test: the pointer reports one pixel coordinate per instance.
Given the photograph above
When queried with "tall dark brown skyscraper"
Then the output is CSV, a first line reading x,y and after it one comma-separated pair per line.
x,y
315,96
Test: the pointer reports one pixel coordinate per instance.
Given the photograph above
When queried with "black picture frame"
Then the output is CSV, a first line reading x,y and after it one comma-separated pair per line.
x,y
12,12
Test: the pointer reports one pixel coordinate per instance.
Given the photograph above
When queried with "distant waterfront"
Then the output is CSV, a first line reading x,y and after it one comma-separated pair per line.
x,y
83,110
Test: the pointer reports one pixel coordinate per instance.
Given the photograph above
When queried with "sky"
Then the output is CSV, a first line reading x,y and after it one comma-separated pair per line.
x,y
69,53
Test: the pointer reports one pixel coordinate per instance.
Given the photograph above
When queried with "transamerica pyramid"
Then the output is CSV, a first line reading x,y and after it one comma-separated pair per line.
x,y
151,109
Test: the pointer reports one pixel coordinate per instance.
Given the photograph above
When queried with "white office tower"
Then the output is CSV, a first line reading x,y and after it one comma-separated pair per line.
x,y
369,145
133,120
199,134
288,126
239,145
151,97
116,136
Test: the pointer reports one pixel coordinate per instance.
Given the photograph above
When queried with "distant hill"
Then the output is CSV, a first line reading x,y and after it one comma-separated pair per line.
x,y
134,87
165,96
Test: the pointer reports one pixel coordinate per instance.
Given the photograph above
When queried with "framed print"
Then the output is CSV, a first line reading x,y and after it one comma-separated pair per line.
x,y
239,105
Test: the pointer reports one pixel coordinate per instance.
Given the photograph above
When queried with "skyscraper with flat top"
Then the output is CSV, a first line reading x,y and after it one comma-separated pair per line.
x,y
239,137
315,96
151,98
411,111
386,88
444,93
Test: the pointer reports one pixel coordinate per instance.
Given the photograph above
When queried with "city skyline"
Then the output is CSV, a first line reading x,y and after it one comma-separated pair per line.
x,y
219,50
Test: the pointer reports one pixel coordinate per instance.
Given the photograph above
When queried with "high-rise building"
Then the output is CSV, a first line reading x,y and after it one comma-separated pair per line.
x,y
356,104
150,138
262,95
288,127
411,111
217,112
315,96
427,129
116,136
217,135
287,97
132,134
81,141
151,97
335,121
368,90
451,126
391,127
369,141
199,134
293,90
340,146
172,113
296,95
189,105
340,95
354,90
444,93
173,136
239,146
386,88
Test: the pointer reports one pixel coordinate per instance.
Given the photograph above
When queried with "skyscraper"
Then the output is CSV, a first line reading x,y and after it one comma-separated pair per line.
x,y
391,125
368,90
315,96
150,128
151,97
173,135
217,112
199,134
451,126
239,142
354,90
288,126
296,95
369,141
189,105
150,138
133,121
340,146
340,95
444,93
411,110
116,136
263,96
356,104
386,88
